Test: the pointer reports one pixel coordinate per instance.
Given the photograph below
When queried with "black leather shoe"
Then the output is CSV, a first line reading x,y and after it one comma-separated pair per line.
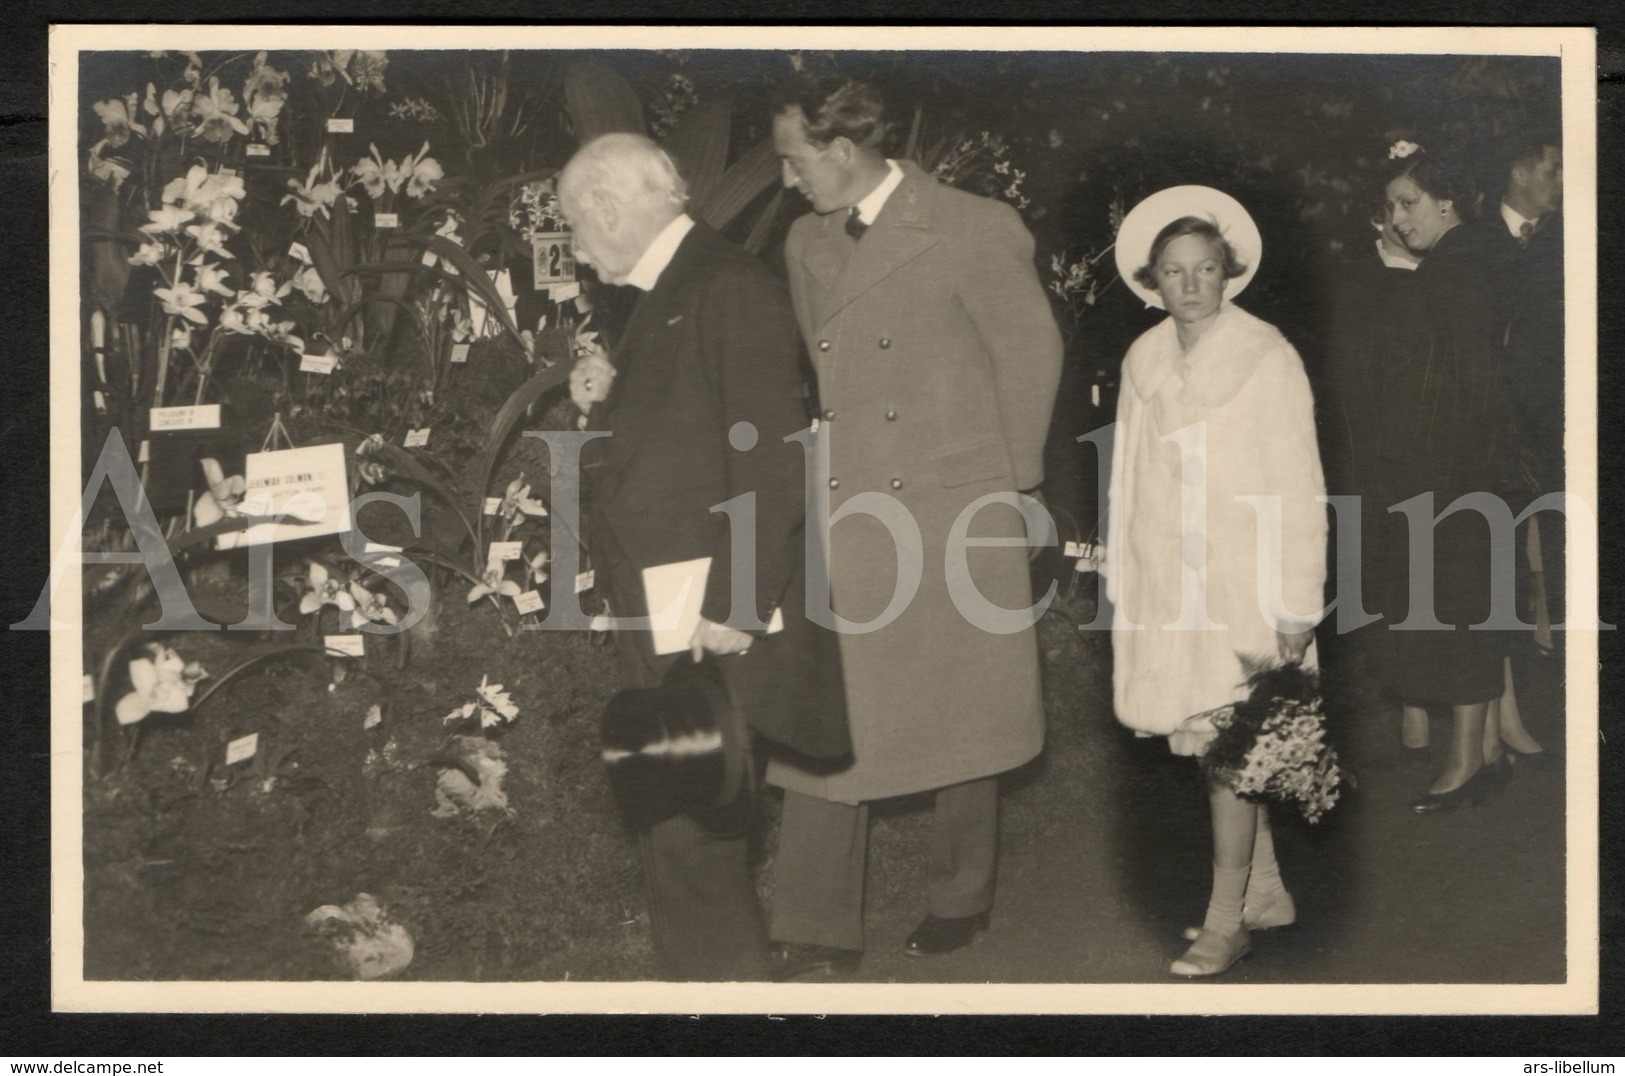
x,y
1540,761
790,961
935,935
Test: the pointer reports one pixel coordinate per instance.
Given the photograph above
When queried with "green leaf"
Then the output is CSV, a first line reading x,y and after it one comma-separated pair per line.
x,y
600,101
408,465
478,284
512,411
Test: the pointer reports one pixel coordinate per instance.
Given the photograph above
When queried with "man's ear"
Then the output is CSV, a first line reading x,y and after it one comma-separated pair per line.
x,y
1520,175
843,149
604,205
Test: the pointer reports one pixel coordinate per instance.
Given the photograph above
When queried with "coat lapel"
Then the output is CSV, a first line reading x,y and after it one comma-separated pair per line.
x,y
845,270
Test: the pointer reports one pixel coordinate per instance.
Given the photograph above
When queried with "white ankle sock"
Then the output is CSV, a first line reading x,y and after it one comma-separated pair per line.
x,y
1224,905
1265,881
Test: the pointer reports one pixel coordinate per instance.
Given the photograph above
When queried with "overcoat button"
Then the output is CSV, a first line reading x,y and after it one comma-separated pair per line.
x,y
885,342
891,416
897,483
823,345
829,414
835,483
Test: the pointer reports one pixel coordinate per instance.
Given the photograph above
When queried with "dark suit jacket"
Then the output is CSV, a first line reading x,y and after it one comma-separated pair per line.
x,y
713,347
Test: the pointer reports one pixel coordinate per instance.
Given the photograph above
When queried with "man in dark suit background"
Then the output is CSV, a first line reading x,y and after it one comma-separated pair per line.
x,y
1528,231
703,388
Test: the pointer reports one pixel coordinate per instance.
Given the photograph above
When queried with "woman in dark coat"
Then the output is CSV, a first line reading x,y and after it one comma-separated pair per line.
x,y
1442,430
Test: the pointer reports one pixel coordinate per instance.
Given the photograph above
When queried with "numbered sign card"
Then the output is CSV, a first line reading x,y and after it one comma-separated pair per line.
x,y
307,486
555,259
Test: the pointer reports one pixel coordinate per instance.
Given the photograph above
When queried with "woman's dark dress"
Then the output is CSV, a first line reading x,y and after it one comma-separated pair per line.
x,y
1441,425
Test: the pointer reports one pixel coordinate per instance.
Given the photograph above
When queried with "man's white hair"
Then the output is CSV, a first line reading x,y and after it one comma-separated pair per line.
x,y
630,166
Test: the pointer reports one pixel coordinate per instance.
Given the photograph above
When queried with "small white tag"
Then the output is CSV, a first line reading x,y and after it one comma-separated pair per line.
x,y
1088,560
318,364
600,622
351,646
386,220
417,438
144,454
258,149
492,504
388,562
341,126
299,252
228,173
430,259
529,602
199,417
459,353
380,547
584,582
90,688
375,717
1094,394
256,504
242,749
1074,549
504,551
564,292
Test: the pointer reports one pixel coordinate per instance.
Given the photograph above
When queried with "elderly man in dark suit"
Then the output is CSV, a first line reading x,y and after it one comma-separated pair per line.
x,y
937,358
704,386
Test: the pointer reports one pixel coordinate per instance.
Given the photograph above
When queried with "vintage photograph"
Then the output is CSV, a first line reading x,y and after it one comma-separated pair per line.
x,y
699,519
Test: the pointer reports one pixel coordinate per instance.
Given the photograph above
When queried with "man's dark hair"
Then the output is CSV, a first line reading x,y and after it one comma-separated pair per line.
x,y
836,106
1527,145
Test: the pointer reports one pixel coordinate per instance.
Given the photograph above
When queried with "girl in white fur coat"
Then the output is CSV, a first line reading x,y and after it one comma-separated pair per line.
x,y
1216,538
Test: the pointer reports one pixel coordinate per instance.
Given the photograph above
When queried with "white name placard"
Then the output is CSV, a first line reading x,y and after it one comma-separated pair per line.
x,y
350,645
459,353
258,149
504,551
555,259
417,438
306,486
529,602
242,749
318,364
199,417
584,582
341,126
386,220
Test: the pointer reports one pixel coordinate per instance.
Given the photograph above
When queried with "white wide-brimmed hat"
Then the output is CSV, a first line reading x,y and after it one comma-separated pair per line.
x,y
1145,220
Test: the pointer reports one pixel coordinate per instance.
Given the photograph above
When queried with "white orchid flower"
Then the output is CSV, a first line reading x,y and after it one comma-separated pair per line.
x,y
211,239
163,683
216,113
372,605
376,175
149,254
310,284
538,568
324,590
183,301
492,582
518,503
495,704
212,278
166,219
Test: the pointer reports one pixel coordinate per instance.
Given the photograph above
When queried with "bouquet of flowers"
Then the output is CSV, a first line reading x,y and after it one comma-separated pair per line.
x,y
1272,744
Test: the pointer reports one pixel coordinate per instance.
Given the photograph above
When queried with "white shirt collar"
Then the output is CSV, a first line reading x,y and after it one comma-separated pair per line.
x,y
870,207
1391,260
646,274
1514,220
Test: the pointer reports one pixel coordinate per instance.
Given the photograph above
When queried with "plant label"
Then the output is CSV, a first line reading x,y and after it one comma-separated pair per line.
x,y
386,220
417,438
258,149
379,555
318,364
200,417
1089,559
242,749
350,645
299,252
564,292
529,602
90,688
307,487
336,125
492,505
459,353
584,581
554,259
430,259
504,551
144,454
374,718
228,173
1074,549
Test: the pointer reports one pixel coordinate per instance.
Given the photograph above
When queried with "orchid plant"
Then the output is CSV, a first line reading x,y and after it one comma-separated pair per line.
x,y
491,705
162,682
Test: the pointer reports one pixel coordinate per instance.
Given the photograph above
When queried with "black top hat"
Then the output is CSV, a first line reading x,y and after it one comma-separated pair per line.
x,y
680,747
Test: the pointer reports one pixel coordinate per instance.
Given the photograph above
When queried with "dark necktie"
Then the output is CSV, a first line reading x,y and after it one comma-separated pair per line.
x,y
1526,231
854,224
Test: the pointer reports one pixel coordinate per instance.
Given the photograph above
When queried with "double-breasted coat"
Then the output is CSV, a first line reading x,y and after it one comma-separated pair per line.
x,y
709,384
937,357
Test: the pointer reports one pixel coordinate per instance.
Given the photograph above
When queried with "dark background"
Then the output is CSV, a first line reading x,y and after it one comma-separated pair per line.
x,y
30,1029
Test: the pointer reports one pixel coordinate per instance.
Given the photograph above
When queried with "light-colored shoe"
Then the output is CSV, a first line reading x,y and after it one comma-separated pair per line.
x,y
1267,912
1212,953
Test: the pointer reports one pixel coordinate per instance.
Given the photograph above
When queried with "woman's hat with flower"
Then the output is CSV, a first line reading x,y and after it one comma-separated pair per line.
x,y
1145,220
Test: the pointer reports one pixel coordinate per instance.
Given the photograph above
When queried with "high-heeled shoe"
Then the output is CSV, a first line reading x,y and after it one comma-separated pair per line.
x,y
1485,779
1542,761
